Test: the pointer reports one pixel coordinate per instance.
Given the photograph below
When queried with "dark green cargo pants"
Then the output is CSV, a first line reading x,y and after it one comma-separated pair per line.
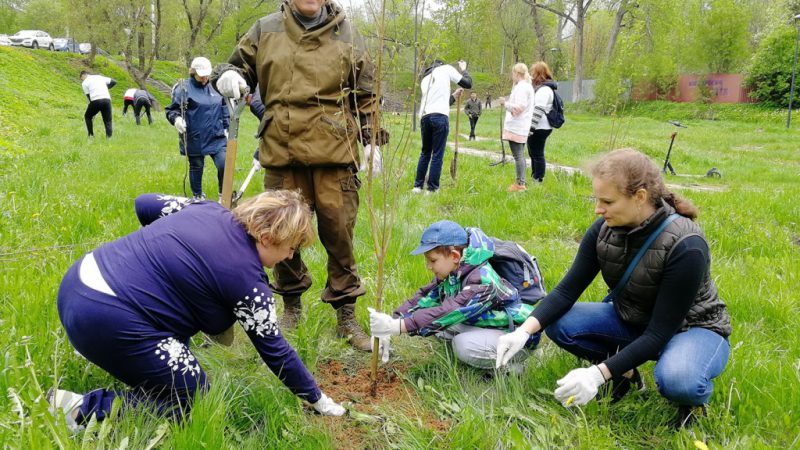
x,y
332,193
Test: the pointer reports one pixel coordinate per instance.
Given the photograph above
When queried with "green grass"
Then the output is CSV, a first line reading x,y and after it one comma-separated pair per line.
x,y
61,195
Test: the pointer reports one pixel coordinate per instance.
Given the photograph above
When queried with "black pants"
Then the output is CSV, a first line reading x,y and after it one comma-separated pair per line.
x,y
125,104
473,120
536,151
102,106
137,111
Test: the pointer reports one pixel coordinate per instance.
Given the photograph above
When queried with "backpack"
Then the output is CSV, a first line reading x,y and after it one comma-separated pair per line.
x,y
556,115
519,268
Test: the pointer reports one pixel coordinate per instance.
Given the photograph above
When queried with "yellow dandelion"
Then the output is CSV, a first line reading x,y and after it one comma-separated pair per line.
x,y
572,399
700,445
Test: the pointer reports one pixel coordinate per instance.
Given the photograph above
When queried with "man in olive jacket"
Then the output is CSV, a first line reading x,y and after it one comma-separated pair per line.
x,y
315,79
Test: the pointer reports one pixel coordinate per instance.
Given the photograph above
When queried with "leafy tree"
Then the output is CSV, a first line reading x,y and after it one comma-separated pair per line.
x,y
720,41
770,73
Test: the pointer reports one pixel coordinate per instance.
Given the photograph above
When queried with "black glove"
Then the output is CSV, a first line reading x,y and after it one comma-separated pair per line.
x,y
381,138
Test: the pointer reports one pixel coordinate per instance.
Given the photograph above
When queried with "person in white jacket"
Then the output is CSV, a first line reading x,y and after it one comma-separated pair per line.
x,y
517,123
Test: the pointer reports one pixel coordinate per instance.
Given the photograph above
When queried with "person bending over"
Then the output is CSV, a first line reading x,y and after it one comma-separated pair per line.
x,y
131,305
96,87
668,311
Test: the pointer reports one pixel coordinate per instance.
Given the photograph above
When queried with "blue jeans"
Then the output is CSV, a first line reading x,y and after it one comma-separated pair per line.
x,y
196,164
434,129
684,370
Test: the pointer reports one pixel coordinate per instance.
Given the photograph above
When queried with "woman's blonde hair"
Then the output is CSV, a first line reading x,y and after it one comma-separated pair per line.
x,y
631,170
540,73
279,216
522,69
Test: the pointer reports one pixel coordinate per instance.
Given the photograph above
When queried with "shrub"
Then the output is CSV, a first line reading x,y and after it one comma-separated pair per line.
x,y
770,72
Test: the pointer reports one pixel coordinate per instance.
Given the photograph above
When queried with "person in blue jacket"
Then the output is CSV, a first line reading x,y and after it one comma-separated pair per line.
x,y
201,117
131,305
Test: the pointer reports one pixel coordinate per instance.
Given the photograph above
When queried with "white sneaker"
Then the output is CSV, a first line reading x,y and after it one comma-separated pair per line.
x,y
68,403
416,190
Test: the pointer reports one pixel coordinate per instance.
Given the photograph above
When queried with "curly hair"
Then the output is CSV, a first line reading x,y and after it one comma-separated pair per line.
x,y
279,216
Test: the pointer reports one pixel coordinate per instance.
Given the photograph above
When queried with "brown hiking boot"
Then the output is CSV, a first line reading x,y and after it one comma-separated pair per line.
x,y
292,308
348,327
517,188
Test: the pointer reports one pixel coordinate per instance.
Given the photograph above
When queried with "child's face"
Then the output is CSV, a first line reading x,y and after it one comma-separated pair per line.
x,y
442,264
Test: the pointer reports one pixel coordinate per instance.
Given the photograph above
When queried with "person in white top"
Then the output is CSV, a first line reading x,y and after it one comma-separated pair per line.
x,y
517,123
544,87
95,87
127,100
434,119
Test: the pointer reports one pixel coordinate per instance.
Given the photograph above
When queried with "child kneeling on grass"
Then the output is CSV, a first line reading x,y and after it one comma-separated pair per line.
x,y
467,303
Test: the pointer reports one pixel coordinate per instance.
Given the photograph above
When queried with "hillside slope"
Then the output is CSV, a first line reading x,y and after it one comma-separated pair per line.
x,y
36,86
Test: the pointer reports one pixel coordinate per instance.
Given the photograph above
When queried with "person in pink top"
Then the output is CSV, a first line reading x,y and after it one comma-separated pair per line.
x,y
517,123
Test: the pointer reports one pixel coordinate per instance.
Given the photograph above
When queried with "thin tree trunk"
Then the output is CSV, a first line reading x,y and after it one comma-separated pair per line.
x,y
612,40
577,82
541,42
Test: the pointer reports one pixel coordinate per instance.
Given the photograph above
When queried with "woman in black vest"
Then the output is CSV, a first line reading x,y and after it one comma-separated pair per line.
x,y
668,310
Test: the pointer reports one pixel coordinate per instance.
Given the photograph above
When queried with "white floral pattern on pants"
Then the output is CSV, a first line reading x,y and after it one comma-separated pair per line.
x,y
178,356
257,314
173,204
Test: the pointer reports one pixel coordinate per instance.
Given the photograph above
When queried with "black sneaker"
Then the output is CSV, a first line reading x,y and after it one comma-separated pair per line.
x,y
621,386
687,415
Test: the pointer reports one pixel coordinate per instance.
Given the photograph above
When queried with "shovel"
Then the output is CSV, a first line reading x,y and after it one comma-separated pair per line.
x,y
502,145
235,107
454,161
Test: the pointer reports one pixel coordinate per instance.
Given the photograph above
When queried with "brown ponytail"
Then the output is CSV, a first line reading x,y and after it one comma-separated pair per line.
x,y
631,170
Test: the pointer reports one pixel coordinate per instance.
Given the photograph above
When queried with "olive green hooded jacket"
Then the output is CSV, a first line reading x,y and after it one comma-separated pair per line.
x,y
316,85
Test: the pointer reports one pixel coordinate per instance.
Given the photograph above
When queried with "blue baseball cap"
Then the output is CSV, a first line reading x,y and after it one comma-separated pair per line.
x,y
444,232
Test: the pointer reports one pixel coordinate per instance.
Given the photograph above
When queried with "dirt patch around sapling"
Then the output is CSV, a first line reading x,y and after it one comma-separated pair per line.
x,y
352,384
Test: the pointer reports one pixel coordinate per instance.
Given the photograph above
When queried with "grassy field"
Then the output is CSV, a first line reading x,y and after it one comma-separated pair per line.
x,y
61,195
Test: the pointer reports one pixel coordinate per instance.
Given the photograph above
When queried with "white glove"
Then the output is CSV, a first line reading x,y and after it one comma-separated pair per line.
x,y
384,348
257,164
230,84
509,344
328,407
180,125
462,65
580,385
383,325
226,133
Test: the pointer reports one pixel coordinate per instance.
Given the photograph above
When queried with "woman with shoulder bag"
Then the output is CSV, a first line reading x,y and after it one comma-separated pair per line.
x,y
664,305
543,86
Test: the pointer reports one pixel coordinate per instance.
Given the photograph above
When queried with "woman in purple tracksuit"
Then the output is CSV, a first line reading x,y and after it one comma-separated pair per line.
x,y
131,305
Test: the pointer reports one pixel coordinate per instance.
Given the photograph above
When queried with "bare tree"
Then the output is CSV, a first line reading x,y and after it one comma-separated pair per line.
x,y
197,18
143,17
516,28
581,9
623,8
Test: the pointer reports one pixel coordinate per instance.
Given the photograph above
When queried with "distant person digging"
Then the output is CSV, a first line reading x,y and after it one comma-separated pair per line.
x,y
435,123
142,100
130,306
96,87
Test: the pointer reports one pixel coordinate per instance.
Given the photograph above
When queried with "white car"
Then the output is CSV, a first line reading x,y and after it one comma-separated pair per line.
x,y
4,40
33,39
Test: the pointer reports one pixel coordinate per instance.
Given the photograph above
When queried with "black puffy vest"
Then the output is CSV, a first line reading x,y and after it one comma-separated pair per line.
x,y
616,248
